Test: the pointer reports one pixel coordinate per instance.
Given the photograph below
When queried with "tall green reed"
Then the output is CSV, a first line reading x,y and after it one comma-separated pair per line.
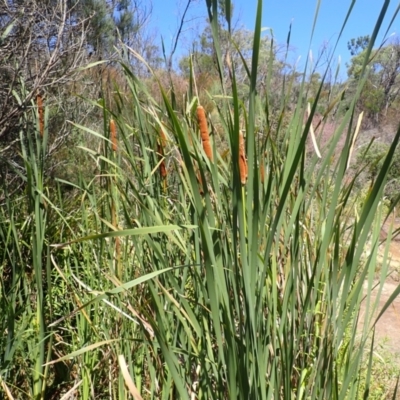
x,y
221,288
26,283
264,296
274,279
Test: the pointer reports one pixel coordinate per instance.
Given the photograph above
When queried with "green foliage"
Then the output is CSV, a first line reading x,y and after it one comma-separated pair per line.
x,y
25,266
382,87
370,160
201,283
104,18
359,44
372,98
385,370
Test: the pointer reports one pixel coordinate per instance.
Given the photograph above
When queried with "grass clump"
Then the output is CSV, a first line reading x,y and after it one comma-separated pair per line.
x,y
385,372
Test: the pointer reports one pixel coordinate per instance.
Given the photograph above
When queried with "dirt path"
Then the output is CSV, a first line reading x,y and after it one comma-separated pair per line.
x,y
387,332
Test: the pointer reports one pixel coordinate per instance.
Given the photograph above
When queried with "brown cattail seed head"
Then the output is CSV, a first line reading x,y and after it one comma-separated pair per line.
x,y
113,134
163,169
160,150
205,137
242,160
39,102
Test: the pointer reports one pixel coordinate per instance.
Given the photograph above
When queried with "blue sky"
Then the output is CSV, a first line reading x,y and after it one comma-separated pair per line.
x,y
278,14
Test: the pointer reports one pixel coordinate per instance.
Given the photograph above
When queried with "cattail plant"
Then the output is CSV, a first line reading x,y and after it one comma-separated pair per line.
x,y
205,137
200,182
117,240
114,204
262,172
261,280
163,138
113,134
39,102
163,169
160,151
242,160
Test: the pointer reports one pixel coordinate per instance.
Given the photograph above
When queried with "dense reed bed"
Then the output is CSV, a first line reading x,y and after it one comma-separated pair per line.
x,y
179,272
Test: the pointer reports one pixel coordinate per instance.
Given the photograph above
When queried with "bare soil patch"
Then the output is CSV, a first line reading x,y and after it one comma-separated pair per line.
x,y
387,331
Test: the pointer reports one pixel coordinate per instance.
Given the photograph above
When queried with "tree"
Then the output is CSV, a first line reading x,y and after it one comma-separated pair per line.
x,y
40,49
383,84
109,23
235,47
357,45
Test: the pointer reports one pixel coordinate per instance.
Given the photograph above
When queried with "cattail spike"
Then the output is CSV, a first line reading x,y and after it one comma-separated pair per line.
x,y
205,137
242,160
163,169
262,172
160,151
113,134
39,102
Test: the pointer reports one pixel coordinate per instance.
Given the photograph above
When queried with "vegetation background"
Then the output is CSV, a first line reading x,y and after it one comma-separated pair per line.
x,y
208,228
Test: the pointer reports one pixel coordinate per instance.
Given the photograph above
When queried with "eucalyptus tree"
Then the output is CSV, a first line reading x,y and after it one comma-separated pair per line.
x,y
383,66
